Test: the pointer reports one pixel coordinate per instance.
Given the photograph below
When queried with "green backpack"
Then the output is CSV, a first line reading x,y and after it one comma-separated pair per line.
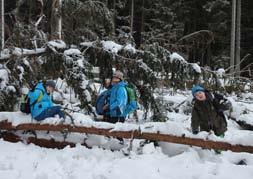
x,y
131,99
131,95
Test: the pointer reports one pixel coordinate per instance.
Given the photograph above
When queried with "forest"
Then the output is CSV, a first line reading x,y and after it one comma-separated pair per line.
x,y
35,35
185,65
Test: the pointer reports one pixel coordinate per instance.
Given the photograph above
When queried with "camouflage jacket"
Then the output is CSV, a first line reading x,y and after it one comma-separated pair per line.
x,y
208,115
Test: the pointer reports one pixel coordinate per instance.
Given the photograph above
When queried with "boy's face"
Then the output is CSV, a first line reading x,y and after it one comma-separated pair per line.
x,y
49,89
115,80
200,96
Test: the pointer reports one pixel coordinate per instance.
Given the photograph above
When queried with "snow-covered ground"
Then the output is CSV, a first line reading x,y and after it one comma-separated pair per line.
x,y
20,161
106,161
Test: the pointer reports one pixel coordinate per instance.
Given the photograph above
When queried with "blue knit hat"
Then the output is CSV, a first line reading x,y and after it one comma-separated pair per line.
x,y
196,88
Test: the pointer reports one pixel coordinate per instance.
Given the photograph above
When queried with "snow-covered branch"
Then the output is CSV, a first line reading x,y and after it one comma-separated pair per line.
x,y
20,52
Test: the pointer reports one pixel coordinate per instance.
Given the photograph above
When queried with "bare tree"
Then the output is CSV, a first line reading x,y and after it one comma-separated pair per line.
x,y
232,48
238,38
2,25
132,16
56,23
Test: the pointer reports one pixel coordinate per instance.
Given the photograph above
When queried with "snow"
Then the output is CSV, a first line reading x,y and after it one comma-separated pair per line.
x,y
72,52
175,98
176,56
241,111
96,163
106,160
19,52
5,53
111,46
87,95
221,72
21,69
4,78
247,87
87,44
248,117
196,68
57,44
24,90
80,63
11,88
176,128
130,48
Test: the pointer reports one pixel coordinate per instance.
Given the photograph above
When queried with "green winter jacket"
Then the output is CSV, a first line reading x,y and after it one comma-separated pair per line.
x,y
205,117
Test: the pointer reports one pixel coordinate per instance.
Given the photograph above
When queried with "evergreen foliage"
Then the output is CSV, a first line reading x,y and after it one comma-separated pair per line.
x,y
197,30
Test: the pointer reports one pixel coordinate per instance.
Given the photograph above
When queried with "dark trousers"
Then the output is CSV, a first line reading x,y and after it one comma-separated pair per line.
x,y
50,112
116,119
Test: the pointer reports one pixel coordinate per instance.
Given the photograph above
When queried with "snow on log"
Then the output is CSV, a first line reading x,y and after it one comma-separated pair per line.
x,y
48,143
134,132
19,52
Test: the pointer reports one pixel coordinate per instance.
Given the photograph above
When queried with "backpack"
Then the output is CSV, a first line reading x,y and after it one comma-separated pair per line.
x,y
25,106
101,101
220,104
131,99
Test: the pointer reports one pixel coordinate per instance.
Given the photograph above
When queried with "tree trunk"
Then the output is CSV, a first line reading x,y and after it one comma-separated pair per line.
x,y
56,23
114,16
232,45
132,16
238,38
137,21
130,133
142,18
2,25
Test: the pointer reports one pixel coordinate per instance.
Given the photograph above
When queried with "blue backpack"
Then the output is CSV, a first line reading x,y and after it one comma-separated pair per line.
x,y
101,101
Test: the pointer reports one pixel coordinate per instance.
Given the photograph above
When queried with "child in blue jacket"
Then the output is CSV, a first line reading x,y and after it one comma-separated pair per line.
x,y
118,99
41,103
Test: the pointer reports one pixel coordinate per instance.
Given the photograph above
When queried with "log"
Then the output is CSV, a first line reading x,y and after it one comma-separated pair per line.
x,y
243,124
47,143
207,144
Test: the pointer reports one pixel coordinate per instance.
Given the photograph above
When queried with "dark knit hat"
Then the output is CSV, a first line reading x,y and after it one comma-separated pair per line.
x,y
50,83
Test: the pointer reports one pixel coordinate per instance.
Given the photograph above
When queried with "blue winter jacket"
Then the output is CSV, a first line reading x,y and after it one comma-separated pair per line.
x,y
132,106
118,99
44,100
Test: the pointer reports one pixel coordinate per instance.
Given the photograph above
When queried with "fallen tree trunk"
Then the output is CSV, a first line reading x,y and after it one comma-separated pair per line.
x,y
137,134
48,143
243,124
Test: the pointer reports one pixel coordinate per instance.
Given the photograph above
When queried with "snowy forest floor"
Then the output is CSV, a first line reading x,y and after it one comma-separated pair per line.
x,y
106,161
29,161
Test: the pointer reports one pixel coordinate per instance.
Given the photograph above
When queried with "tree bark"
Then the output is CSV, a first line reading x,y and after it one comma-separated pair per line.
x,y
238,39
155,136
132,16
114,16
232,45
2,25
47,143
56,23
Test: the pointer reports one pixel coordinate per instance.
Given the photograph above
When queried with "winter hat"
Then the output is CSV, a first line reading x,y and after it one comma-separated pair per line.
x,y
118,74
196,88
50,83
